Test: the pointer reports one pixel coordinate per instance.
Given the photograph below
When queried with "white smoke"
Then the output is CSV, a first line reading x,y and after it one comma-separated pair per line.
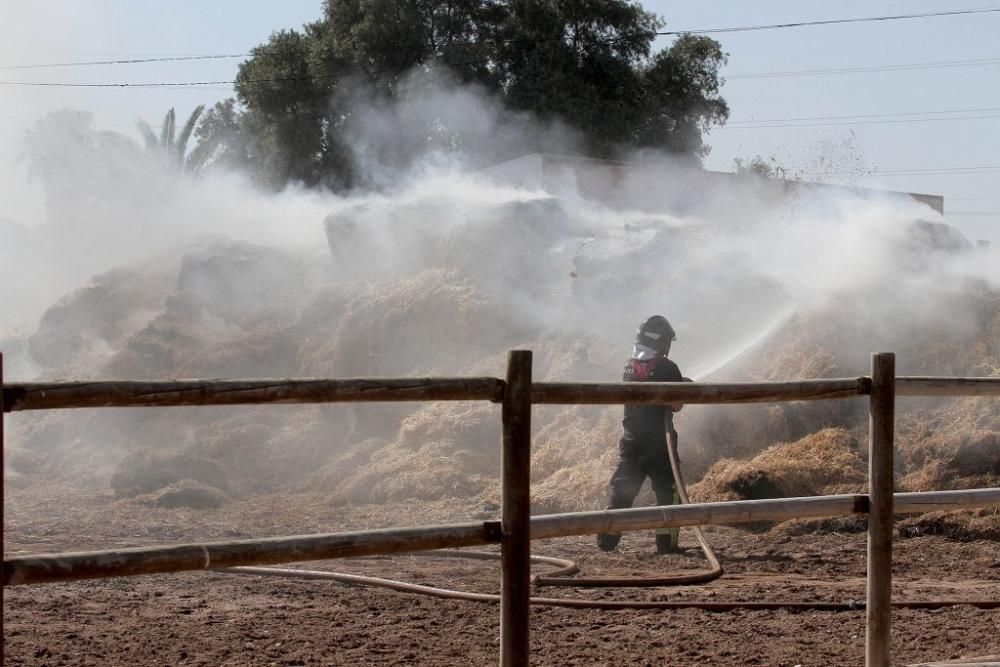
x,y
709,255
439,268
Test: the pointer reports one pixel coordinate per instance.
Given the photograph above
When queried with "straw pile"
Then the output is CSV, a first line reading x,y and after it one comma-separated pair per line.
x,y
143,473
442,450
185,493
819,464
449,304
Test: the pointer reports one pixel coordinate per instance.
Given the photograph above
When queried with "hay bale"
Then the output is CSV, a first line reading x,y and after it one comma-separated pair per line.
x,y
567,437
433,322
807,467
86,324
268,351
575,488
186,493
951,459
240,282
432,472
979,455
344,466
575,451
442,450
158,349
142,473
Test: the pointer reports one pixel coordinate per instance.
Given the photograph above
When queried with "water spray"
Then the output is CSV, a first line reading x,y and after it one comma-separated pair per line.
x,y
746,346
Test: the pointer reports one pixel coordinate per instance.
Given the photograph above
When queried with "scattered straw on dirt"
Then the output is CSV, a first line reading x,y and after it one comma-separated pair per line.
x,y
840,524
965,526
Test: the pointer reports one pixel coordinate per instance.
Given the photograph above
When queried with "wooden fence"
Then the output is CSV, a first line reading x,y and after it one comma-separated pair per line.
x,y
516,528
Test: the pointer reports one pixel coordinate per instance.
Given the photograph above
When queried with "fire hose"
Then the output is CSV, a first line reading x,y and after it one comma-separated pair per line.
x,y
564,569
686,579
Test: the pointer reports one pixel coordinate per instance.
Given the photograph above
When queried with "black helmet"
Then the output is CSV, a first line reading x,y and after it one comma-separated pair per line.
x,y
656,334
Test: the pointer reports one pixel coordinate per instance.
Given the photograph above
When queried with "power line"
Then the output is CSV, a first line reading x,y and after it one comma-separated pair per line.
x,y
128,61
858,122
940,170
932,171
662,33
802,24
870,115
157,84
749,124
971,172
899,67
942,64
935,169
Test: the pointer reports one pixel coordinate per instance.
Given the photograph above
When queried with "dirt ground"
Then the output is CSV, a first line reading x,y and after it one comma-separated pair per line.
x,y
223,619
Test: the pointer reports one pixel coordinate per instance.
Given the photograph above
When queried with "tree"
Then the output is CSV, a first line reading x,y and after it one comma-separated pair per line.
x,y
288,125
581,62
169,142
222,138
680,97
77,164
587,63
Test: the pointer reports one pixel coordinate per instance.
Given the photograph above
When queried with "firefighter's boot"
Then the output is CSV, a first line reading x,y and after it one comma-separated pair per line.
x,y
608,541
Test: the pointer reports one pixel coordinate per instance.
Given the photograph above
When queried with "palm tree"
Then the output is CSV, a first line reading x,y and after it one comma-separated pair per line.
x,y
170,143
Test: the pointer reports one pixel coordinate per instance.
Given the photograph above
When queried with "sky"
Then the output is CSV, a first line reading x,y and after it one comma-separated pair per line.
x,y
863,149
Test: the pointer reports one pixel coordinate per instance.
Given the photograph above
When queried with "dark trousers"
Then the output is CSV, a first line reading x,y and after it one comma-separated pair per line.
x,y
639,458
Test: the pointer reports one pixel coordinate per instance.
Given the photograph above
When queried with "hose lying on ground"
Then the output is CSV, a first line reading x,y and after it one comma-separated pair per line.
x,y
561,576
565,568
581,603
687,579
558,577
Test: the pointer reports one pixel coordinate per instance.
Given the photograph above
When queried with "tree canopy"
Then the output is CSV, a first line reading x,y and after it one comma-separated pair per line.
x,y
589,64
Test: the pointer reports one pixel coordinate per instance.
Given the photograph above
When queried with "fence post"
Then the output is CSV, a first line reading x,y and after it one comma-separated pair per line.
x,y
515,518
878,607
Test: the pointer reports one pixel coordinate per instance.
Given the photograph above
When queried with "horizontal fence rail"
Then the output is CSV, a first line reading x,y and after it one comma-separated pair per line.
x,y
516,527
273,550
694,392
159,393
47,568
944,386
126,393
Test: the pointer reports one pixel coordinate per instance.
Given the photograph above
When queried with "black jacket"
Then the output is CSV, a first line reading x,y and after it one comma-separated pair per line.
x,y
649,422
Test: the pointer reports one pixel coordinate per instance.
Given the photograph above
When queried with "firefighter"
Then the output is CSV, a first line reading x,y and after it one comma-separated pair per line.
x,y
642,451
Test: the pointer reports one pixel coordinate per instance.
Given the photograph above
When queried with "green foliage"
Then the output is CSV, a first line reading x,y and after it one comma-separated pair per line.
x,y
582,62
169,143
587,63
681,96
222,138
